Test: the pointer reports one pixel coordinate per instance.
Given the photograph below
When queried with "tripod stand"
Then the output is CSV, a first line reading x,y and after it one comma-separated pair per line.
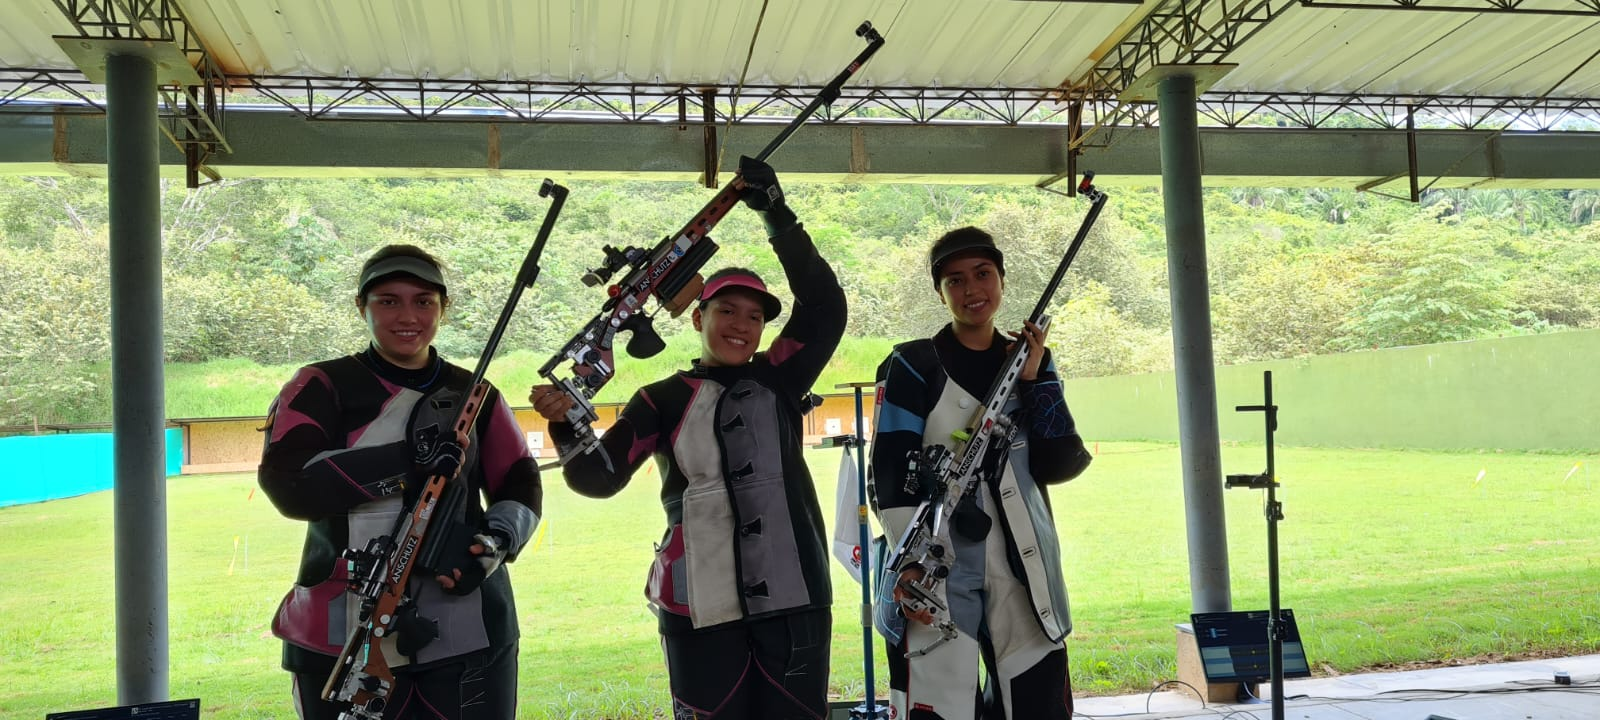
x,y
868,709
1274,511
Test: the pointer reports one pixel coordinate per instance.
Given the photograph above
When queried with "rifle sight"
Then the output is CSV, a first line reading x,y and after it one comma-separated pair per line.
x,y
615,260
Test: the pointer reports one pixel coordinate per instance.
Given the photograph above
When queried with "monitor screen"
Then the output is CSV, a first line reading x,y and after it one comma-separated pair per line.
x,y
169,710
1234,648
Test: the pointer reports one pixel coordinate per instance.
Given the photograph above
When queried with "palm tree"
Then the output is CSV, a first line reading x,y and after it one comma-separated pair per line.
x,y
1585,205
1332,205
1269,198
1525,207
1454,198
1489,203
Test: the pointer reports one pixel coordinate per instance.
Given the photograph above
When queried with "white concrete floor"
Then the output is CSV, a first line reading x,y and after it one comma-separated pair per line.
x,y
1505,691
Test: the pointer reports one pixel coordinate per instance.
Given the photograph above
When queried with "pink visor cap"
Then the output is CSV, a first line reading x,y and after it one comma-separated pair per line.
x,y
770,307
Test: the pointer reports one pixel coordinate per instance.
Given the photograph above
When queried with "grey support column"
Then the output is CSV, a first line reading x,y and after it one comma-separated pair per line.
x,y
137,405
1191,345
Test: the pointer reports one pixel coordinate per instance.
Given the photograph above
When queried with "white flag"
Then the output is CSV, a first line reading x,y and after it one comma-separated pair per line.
x,y
846,517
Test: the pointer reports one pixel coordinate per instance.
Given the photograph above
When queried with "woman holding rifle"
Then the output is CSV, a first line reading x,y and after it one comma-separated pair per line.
x,y
740,582
350,443
1005,591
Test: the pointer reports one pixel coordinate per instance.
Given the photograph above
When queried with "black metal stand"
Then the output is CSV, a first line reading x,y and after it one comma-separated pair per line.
x,y
868,709
1274,511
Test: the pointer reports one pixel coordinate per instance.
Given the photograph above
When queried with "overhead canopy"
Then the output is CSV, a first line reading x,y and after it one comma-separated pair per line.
x,y
1490,66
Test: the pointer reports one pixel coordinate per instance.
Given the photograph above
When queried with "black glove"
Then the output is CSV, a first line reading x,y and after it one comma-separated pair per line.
x,y
445,459
412,631
762,194
474,573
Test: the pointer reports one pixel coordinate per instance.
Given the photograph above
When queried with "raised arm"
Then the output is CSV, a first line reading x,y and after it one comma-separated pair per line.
x,y
817,320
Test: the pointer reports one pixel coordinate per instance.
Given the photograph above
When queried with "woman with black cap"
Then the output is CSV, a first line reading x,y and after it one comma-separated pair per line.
x,y
740,582
349,442
1005,591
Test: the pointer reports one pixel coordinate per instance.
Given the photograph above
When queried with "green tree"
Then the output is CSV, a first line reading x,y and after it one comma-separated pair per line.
x,y
56,328
1090,338
1428,286
1285,307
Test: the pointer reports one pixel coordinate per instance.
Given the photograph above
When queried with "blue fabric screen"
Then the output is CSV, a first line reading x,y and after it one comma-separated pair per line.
x,y
47,467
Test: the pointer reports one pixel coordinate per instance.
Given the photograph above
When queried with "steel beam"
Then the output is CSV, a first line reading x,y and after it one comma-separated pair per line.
x,y
276,144
1176,32
30,89
188,81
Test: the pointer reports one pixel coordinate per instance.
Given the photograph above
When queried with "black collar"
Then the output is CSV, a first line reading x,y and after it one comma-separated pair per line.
x,y
419,379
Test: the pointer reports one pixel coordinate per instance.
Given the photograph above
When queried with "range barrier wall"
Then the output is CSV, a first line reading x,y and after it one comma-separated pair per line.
x,y
46,467
1539,392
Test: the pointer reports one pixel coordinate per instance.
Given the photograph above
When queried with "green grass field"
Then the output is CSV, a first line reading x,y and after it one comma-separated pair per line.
x,y
1387,557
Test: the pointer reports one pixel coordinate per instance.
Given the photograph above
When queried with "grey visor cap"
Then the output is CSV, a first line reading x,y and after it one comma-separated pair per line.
x,y
400,265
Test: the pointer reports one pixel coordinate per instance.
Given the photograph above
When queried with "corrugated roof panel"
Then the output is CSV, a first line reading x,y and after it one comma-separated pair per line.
x,y
25,36
931,43
1414,53
1523,56
959,43
1493,55
1005,44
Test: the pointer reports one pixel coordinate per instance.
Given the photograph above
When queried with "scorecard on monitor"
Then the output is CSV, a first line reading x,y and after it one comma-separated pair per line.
x,y
1234,648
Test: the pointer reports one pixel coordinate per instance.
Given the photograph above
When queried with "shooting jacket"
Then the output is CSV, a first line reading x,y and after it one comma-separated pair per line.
x,y
339,451
744,535
930,388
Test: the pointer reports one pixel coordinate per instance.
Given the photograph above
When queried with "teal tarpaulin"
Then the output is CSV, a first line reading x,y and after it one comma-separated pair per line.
x,y
47,467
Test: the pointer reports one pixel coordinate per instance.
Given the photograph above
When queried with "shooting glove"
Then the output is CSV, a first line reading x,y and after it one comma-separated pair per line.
x,y
412,631
445,460
762,194
473,574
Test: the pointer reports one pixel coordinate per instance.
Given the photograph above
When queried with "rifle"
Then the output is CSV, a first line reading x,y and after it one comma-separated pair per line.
x,y
670,271
380,573
977,452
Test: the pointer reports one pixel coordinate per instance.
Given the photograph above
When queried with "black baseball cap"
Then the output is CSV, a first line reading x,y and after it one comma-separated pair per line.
x,y
962,240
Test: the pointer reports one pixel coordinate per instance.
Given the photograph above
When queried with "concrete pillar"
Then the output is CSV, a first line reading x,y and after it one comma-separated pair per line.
x,y
137,404
1191,345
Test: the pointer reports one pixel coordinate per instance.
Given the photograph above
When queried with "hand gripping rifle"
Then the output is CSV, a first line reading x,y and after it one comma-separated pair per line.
x,y
950,476
380,573
669,271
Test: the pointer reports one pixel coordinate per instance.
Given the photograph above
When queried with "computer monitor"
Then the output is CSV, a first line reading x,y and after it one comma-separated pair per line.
x,y
168,710
1234,647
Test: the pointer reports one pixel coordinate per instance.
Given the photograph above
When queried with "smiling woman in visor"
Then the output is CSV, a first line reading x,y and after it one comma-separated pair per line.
x,y
740,584
350,442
